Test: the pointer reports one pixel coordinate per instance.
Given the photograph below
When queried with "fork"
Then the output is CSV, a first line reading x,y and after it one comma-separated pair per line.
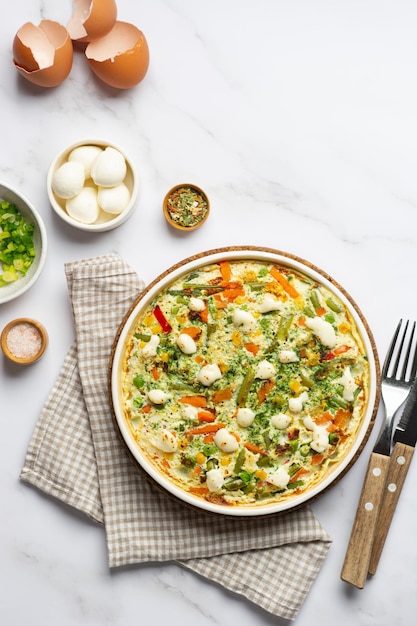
x,y
398,374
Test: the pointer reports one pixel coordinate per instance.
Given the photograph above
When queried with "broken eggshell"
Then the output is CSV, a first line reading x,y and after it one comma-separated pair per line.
x,y
43,54
120,58
92,19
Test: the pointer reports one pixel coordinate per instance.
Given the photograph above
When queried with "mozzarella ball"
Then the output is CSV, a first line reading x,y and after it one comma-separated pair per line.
x,y
225,441
149,349
109,168
85,155
269,304
296,404
320,441
83,207
264,370
68,180
287,356
166,441
214,479
244,417
196,304
113,200
244,320
280,478
280,421
186,343
323,330
157,396
209,374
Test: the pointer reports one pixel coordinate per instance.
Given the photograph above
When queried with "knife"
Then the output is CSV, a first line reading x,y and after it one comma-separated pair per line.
x,y
404,440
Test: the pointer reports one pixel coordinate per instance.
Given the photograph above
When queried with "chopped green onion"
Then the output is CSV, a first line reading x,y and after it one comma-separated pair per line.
x,y
17,250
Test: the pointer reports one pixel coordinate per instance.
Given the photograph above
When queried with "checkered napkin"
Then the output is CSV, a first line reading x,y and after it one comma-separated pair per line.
x,y
76,456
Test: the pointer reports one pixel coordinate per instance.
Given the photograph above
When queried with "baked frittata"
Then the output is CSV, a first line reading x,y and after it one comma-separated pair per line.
x,y
245,382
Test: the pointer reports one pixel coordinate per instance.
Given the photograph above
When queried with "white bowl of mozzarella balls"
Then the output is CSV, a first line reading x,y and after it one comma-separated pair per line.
x,y
93,185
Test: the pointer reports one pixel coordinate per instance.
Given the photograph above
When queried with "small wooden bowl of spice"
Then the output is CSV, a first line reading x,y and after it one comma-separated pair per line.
x,y
186,207
24,340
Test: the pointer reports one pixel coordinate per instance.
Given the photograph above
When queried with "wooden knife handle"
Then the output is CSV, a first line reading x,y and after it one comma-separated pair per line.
x,y
358,554
396,474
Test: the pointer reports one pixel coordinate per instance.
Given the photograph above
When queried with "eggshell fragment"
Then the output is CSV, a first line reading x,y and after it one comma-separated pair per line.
x,y
109,168
92,19
85,155
68,180
120,58
43,54
113,200
84,207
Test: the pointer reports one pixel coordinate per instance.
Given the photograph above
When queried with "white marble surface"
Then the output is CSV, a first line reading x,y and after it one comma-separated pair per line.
x,y
299,120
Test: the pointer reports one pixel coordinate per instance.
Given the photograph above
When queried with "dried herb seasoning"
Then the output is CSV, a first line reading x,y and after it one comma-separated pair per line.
x,y
187,206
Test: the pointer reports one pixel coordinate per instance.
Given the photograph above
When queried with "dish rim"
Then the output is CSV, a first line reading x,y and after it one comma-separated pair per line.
x,y
161,282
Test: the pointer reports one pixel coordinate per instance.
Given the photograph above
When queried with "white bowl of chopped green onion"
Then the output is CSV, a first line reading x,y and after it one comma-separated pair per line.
x,y
23,244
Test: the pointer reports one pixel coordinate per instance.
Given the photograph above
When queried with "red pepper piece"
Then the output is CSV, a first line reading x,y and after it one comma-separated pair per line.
x,y
161,319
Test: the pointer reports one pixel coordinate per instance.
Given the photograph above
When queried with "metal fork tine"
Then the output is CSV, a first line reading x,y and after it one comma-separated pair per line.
x,y
399,352
403,375
413,370
390,352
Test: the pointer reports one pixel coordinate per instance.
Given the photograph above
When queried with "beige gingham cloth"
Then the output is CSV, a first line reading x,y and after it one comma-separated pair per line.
x,y
76,456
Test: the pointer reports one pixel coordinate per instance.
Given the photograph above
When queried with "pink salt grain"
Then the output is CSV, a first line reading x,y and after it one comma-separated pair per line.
x,y
24,340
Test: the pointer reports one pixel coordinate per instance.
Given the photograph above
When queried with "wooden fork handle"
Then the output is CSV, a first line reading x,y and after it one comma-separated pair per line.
x,y
396,474
358,554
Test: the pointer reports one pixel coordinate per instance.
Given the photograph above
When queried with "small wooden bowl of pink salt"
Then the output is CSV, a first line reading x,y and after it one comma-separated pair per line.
x,y
24,340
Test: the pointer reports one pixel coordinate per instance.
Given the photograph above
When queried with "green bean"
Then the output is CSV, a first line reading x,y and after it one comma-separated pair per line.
x,y
142,337
333,305
239,461
212,463
284,327
315,301
265,461
295,484
233,484
243,392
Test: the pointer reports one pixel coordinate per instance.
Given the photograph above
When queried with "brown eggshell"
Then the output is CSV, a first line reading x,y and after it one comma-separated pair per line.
x,y
43,54
120,58
92,19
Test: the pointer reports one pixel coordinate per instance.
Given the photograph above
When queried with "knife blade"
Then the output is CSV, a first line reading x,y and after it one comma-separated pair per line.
x,y
404,440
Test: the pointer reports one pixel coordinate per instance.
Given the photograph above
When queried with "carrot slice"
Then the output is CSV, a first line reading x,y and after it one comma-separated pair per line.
x,y
324,418
284,282
192,331
206,429
341,418
155,373
225,270
253,447
197,401
206,416
200,491
316,459
222,394
301,472
264,390
253,348
341,350
204,314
